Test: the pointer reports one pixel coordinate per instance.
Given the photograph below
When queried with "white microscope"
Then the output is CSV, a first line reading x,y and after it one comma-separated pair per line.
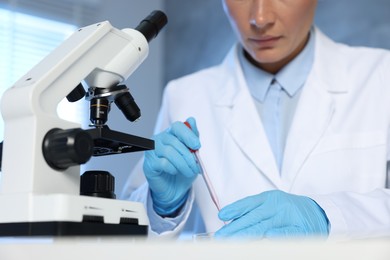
x,y
40,192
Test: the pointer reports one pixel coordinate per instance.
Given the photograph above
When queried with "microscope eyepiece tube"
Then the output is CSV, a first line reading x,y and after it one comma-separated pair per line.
x,y
152,24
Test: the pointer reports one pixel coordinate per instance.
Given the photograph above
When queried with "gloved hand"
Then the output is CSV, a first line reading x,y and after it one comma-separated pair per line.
x,y
171,168
273,214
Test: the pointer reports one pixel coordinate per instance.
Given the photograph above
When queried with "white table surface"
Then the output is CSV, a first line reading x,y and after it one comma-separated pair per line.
x,y
95,248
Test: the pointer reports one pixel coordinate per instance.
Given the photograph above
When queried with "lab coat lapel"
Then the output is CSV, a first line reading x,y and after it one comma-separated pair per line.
x,y
315,108
252,139
243,122
311,119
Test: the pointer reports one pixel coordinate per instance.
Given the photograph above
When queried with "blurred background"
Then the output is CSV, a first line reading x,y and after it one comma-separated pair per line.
x,y
197,36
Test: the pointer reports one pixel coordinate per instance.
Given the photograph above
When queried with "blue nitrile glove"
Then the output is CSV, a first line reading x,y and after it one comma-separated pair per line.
x,y
171,168
273,214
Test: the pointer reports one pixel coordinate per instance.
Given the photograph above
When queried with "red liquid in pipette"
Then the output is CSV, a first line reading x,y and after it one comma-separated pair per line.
x,y
206,178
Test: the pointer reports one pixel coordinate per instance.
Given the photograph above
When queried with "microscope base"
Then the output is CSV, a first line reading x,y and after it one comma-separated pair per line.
x,y
70,215
70,229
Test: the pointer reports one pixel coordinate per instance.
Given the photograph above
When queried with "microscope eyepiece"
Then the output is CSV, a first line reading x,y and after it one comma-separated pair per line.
x,y
152,24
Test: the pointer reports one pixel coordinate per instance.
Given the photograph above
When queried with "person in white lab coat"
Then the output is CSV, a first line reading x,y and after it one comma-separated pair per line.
x,y
293,130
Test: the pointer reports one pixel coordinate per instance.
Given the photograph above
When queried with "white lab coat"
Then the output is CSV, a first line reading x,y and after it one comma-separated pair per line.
x,y
336,151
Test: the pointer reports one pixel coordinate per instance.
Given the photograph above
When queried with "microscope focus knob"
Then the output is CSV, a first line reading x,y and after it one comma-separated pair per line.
x,y
65,148
97,184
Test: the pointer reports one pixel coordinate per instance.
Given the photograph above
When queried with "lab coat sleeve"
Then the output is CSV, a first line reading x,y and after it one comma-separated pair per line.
x,y
137,189
349,213
356,215
163,228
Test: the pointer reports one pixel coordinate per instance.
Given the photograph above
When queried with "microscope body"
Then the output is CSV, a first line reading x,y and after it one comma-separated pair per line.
x,y
36,198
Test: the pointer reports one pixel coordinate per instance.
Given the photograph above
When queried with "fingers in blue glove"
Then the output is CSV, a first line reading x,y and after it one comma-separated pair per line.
x,y
171,167
171,154
284,232
194,128
271,214
246,216
241,207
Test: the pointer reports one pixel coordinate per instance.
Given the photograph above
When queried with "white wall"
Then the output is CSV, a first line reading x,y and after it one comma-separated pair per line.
x,y
145,85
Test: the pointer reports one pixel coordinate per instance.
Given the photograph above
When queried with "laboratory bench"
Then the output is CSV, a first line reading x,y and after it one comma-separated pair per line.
x,y
118,248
